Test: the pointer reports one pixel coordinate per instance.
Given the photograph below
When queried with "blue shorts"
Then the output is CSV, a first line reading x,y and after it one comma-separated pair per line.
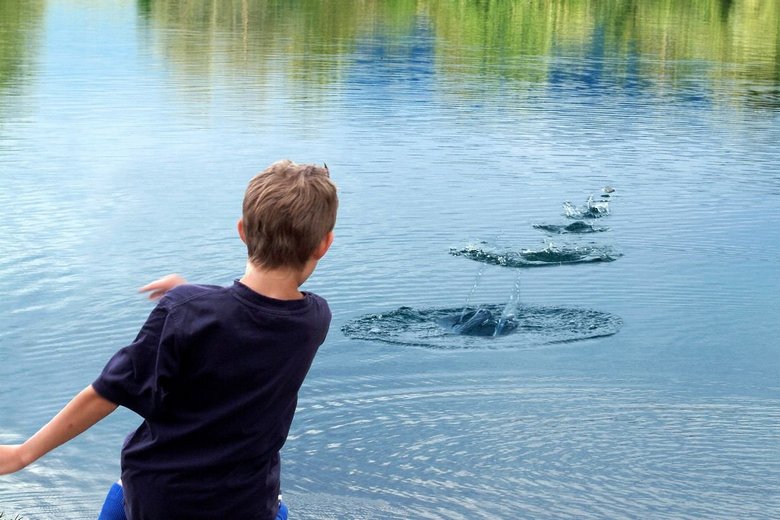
x,y
114,506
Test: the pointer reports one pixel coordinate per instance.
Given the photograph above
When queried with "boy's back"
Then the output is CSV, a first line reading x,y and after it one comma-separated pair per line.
x,y
215,373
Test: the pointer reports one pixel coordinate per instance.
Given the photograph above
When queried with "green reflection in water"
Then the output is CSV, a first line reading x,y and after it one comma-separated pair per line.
x,y
19,45
19,33
734,44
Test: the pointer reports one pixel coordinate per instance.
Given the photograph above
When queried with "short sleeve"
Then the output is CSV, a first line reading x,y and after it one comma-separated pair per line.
x,y
140,375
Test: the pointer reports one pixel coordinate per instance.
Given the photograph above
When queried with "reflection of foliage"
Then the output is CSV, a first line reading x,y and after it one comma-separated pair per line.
x,y
254,33
17,517
670,35
315,40
18,21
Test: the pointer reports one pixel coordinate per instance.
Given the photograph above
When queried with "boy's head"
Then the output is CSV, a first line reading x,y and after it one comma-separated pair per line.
x,y
288,210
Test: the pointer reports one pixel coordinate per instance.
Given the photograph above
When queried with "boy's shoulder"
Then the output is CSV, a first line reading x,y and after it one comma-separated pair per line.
x,y
192,307
201,294
182,294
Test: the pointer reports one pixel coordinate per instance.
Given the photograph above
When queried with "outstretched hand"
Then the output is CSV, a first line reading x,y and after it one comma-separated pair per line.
x,y
159,287
10,459
80,414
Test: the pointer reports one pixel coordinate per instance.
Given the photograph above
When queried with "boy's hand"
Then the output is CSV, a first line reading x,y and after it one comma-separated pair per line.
x,y
159,287
10,459
80,414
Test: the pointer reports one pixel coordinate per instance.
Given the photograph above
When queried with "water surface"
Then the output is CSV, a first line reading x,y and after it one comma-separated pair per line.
x,y
128,131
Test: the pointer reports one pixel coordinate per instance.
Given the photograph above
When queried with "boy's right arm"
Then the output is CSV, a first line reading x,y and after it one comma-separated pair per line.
x,y
86,409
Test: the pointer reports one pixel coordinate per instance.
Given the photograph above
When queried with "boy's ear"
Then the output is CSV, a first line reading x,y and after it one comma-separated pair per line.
x,y
324,246
241,230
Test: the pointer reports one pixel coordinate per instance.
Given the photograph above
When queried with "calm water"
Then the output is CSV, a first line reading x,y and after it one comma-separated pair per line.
x,y
128,132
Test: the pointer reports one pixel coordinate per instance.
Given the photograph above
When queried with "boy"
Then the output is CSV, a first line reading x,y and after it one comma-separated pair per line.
x,y
215,372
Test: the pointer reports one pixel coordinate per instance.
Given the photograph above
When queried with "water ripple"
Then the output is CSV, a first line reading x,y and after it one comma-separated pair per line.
x,y
552,448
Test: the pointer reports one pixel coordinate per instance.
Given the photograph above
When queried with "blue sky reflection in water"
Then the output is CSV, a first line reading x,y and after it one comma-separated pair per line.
x,y
129,130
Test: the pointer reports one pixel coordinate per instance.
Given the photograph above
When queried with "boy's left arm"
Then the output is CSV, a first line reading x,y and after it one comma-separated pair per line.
x,y
86,409
159,287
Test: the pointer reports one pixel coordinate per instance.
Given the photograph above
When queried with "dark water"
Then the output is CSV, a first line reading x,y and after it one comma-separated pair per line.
x,y
129,130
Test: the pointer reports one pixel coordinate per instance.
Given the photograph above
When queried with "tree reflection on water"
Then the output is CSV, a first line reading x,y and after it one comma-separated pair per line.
x,y
656,46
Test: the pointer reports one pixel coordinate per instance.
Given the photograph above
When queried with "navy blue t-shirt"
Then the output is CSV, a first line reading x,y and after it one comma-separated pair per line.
x,y
215,374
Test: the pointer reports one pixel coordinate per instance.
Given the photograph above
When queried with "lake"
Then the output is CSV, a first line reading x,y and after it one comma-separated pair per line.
x,y
637,372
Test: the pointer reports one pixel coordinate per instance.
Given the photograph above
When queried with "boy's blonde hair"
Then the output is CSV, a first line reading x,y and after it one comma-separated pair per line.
x,y
288,210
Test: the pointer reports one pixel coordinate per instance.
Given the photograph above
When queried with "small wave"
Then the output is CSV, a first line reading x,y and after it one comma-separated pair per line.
x,y
445,329
578,227
550,255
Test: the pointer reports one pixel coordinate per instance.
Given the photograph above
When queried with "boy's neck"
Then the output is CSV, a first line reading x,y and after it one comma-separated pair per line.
x,y
280,284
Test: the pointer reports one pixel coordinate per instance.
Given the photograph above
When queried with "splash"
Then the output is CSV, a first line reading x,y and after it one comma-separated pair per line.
x,y
549,255
591,209
576,227
508,314
480,322
443,328
473,289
